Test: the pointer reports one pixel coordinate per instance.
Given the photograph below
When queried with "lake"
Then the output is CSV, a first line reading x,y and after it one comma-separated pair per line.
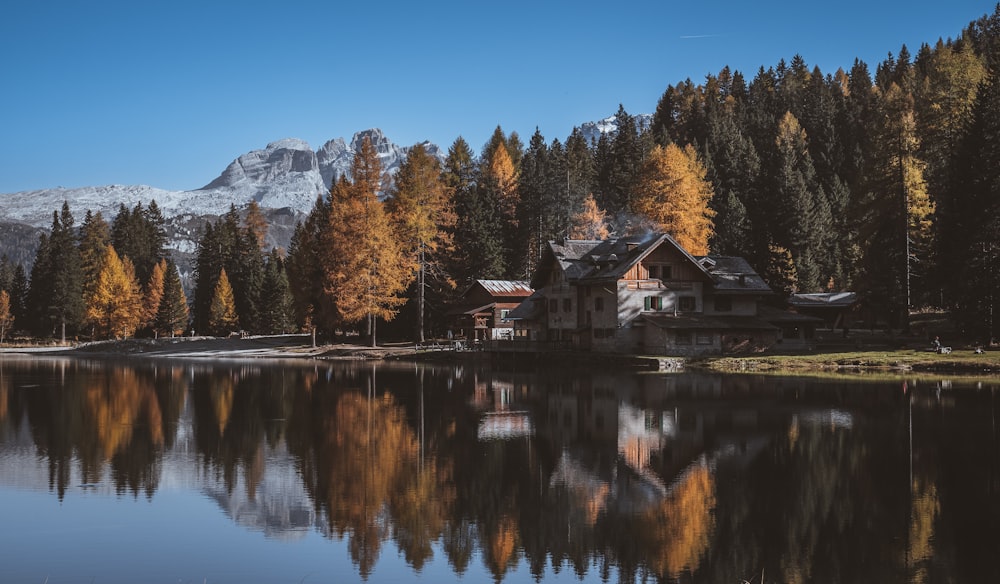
x,y
314,471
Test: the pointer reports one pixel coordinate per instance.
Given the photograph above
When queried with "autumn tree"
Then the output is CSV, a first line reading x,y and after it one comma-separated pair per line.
x,y
153,294
256,223
365,269
6,316
114,306
222,317
422,208
672,191
590,223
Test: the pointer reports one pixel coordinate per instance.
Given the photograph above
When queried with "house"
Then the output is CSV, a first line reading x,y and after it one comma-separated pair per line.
x,y
647,294
834,308
482,311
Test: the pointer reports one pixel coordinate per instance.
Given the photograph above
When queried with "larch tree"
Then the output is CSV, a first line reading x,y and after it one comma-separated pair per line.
x,y
256,223
365,268
423,210
672,190
590,223
153,294
115,303
6,316
222,317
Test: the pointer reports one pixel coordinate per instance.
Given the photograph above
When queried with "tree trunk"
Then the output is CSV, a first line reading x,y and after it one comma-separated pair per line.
x,y
420,296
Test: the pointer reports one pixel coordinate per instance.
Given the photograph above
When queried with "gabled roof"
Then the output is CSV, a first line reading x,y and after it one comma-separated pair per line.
x,y
828,299
733,275
529,309
611,259
504,288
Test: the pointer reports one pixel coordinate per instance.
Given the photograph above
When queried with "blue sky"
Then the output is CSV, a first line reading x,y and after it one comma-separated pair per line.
x,y
167,93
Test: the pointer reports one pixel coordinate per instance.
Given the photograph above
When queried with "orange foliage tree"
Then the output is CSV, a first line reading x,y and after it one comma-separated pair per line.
x,y
114,304
673,191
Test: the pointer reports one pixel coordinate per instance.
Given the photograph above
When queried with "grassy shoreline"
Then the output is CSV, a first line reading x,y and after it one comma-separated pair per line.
x,y
901,360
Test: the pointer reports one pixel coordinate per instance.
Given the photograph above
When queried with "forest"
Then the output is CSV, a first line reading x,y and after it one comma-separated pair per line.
x,y
883,181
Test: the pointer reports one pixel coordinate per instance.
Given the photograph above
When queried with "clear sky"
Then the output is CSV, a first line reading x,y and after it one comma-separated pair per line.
x,y
168,92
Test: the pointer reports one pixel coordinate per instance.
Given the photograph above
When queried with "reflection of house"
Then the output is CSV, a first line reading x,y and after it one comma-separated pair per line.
x,y
482,312
648,294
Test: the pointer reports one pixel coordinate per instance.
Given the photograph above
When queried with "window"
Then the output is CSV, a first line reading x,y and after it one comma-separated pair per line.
x,y
683,337
723,303
704,338
686,304
504,313
567,305
666,272
553,305
654,272
653,303
598,304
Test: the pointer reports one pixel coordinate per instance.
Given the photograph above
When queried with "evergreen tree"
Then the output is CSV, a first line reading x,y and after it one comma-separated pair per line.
x,y
278,311
478,240
313,306
65,302
19,296
95,236
222,317
172,314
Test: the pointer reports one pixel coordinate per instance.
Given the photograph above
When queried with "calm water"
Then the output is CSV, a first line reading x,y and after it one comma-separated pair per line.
x,y
303,472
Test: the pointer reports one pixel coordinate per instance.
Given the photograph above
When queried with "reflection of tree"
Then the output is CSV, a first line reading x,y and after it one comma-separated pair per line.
x,y
675,533
920,544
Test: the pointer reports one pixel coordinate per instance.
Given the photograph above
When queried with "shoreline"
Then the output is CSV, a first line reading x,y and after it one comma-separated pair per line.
x,y
298,346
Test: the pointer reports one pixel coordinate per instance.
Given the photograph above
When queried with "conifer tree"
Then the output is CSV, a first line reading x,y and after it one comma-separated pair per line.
x,y
65,302
313,307
256,223
153,294
95,236
672,190
222,317
19,296
114,305
364,265
422,208
478,240
172,314
278,312
590,223
6,316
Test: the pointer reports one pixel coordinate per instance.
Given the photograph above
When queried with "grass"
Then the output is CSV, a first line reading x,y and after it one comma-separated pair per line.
x,y
959,361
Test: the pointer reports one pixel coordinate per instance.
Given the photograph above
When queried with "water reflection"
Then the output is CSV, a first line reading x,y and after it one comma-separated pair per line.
x,y
614,477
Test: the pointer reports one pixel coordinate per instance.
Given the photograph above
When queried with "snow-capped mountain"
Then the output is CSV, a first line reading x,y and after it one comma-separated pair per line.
x,y
592,130
284,178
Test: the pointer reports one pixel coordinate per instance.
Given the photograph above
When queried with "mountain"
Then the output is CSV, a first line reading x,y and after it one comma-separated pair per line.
x,y
593,130
284,178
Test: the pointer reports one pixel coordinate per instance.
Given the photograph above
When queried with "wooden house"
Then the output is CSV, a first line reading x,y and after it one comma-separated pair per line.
x,y
647,294
482,312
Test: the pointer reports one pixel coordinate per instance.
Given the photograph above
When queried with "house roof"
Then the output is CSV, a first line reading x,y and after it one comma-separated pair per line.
x,y
611,259
519,288
823,299
530,308
776,315
733,275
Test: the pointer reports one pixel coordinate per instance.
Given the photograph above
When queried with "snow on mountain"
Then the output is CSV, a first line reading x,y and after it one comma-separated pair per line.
x,y
592,130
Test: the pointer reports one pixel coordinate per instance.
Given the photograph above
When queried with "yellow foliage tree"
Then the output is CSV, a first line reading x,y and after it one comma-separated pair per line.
x,y
6,318
222,317
673,191
590,223
364,265
153,293
502,177
114,304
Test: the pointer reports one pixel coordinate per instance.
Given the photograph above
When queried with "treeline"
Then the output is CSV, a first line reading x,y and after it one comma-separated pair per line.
x,y
883,182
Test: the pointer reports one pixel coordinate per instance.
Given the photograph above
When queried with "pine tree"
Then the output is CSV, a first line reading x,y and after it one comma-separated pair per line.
x,y
172,315
95,236
65,302
672,191
222,317
19,296
114,305
478,240
313,307
278,312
